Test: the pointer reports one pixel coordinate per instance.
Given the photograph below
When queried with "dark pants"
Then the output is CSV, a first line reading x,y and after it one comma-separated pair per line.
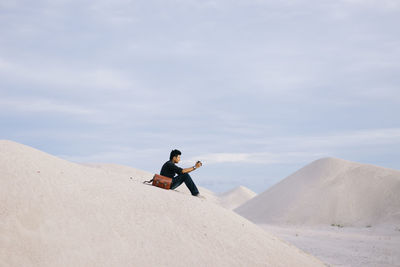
x,y
178,180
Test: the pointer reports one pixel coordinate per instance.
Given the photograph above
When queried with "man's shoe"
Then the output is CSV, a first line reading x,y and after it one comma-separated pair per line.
x,y
200,196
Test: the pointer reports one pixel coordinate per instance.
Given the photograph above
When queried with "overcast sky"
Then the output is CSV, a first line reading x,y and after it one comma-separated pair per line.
x,y
256,89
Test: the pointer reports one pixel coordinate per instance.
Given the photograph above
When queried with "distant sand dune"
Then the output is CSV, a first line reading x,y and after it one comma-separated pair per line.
x,y
330,191
236,197
57,213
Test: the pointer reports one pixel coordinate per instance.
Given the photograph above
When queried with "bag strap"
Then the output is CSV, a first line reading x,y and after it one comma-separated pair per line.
x,y
148,182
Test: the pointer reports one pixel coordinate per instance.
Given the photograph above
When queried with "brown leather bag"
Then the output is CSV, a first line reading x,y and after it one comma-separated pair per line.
x,y
161,181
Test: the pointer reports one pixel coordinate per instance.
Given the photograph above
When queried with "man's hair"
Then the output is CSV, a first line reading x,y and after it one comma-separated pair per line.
x,y
174,153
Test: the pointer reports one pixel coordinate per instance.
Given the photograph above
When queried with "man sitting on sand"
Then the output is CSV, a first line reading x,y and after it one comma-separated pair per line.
x,y
169,169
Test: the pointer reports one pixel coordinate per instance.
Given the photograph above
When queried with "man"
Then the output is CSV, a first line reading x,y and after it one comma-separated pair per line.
x,y
169,169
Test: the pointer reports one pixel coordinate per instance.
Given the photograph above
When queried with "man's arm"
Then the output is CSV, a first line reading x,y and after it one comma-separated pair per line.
x,y
187,170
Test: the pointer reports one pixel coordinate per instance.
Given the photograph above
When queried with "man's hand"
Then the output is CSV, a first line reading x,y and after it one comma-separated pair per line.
x,y
198,164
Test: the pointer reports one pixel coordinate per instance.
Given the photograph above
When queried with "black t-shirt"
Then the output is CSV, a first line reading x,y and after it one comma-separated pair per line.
x,y
169,169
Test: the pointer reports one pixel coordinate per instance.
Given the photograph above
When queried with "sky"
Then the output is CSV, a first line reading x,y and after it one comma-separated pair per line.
x,y
255,89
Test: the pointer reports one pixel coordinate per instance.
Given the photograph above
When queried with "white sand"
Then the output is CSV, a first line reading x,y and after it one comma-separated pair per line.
x,y
57,213
362,201
235,197
330,191
344,246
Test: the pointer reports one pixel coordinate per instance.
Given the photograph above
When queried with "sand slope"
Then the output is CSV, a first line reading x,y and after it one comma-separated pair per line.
x,y
236,197
330,191
57,213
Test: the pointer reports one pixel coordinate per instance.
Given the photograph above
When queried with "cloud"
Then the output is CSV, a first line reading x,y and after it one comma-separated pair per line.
x,y
384,4
67,76
331,142
42,105
292,149
347,139
264,158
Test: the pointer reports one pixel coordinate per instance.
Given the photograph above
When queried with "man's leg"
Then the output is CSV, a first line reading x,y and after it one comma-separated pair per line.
x,y
178,180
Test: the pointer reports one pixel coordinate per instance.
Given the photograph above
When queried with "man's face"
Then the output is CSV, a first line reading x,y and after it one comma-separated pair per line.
x,y
176,159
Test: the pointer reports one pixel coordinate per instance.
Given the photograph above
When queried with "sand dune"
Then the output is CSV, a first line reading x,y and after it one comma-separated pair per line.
x,y
236,197
330,191
57,213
